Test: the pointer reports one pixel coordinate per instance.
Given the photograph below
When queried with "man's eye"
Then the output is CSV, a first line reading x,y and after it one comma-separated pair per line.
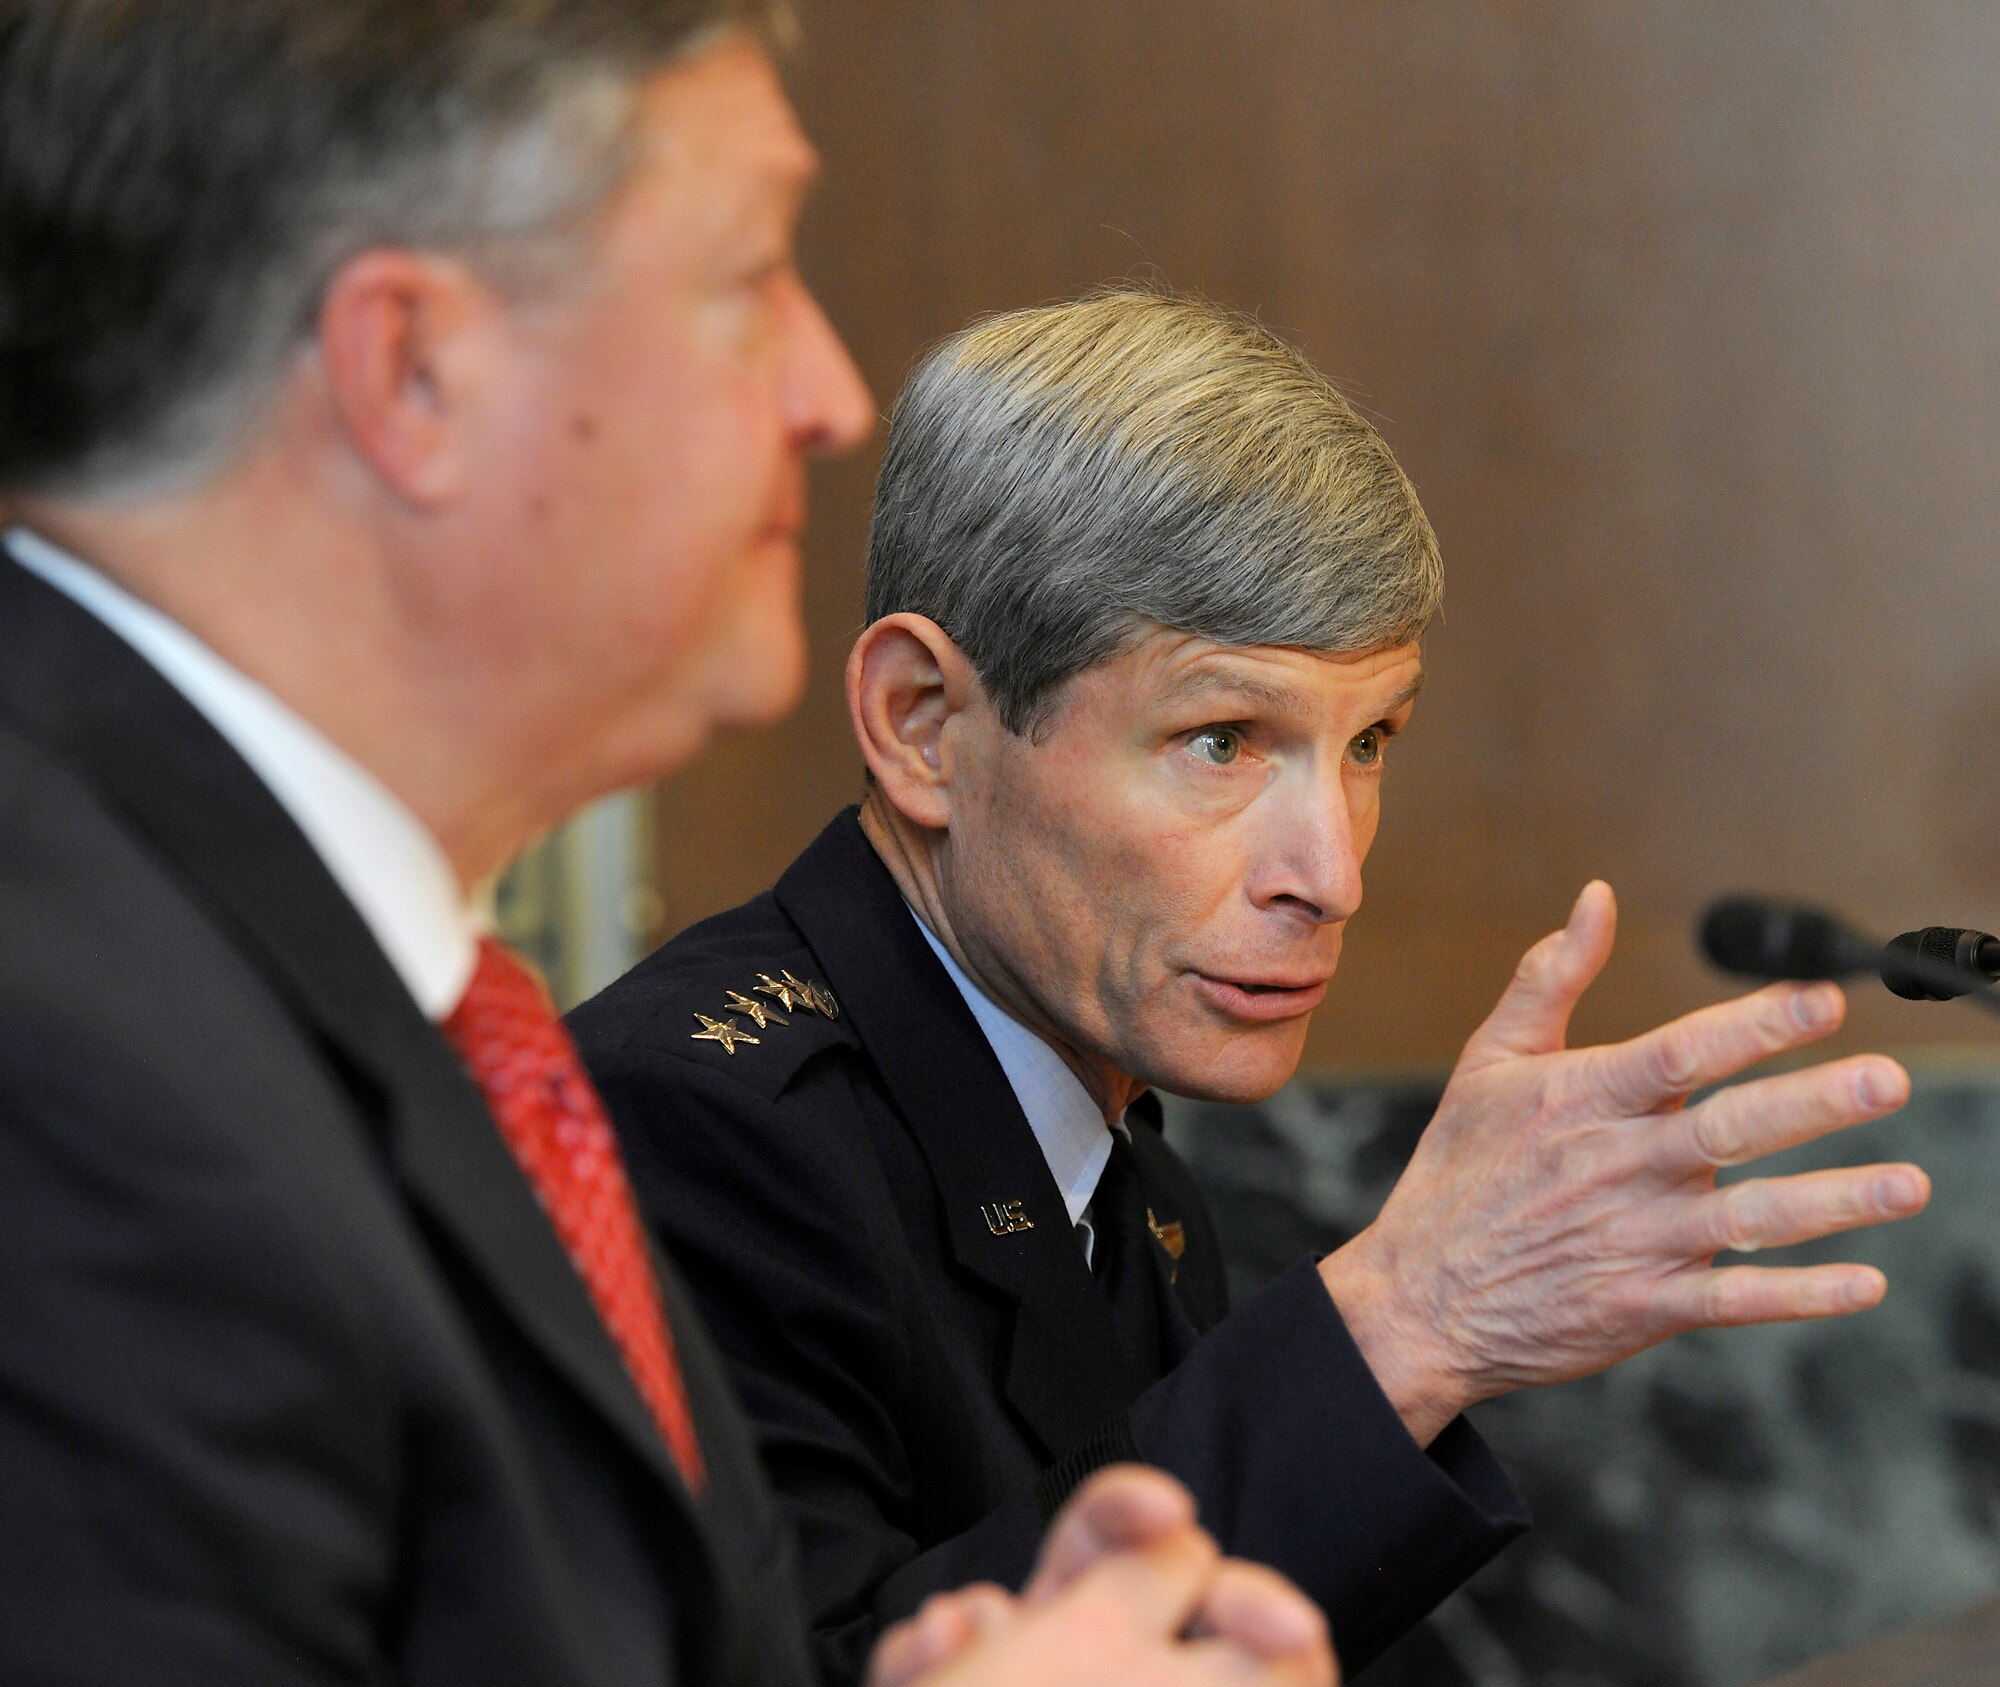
x,y
1217,745
1365,748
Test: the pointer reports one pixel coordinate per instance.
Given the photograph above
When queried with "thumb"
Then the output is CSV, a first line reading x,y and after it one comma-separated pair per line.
x,y
1532,1015
947,1627
1121,1508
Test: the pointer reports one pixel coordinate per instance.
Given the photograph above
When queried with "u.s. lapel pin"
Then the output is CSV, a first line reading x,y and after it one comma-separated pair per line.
x,y
1171,1237
1005,1218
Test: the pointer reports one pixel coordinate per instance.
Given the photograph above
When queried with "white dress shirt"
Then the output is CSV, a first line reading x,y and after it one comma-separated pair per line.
x,y
393,871
1068,1125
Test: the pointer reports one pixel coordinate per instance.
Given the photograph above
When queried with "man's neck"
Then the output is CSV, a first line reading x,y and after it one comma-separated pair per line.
x,y
307,614
910,855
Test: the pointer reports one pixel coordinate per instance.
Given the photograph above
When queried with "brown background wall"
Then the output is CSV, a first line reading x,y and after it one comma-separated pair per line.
x,y
1682,316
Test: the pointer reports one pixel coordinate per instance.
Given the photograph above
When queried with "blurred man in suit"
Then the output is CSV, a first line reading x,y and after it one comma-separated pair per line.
x,y
404,405
1145,597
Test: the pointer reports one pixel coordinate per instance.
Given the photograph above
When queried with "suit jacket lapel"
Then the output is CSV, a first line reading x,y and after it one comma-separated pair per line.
x,y
73,686
1068,1372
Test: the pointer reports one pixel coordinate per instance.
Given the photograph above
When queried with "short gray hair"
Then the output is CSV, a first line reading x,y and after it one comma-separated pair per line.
x,y
180,179
1058,480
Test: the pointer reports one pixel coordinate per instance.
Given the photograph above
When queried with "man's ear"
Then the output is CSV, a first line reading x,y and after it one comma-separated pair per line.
x,y
403,348
906,680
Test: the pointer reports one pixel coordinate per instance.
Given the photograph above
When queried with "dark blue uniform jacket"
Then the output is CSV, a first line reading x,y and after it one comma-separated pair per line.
x,y
858,1205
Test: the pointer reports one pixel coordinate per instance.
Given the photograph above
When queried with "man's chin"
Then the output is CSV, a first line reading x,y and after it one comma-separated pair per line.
x,y
1245,1067
759,682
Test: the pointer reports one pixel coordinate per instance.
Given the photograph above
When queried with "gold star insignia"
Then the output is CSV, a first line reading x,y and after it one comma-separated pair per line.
x,y
758,1012
769,986
808,995
724,1031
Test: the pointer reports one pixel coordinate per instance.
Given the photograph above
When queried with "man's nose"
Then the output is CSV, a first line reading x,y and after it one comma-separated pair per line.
x,y
1312,865
831,408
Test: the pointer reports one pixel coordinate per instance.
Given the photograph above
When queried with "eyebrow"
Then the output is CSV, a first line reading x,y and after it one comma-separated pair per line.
x,y
1202,682
1408,695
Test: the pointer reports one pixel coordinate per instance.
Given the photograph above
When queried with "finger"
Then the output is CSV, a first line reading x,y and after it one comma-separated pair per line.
x,y
1670,1063
1152,1590
944,1628
1748,1294
1260,1612
1121,1507
1745,1122
1532,1016
1203,1662
1775,1212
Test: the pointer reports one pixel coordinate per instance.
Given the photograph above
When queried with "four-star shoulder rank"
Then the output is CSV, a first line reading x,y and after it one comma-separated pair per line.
x,y
795,994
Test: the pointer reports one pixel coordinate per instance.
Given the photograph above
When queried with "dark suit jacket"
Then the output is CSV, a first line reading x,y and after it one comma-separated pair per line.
x,y
926,1375
296,1383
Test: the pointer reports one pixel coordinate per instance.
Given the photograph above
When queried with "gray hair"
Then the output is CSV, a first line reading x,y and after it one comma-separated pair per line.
x,y
180,179
1059,480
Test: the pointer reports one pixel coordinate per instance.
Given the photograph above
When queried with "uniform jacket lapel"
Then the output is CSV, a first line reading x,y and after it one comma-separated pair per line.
x,y
1068,1371
69,684
1189,1289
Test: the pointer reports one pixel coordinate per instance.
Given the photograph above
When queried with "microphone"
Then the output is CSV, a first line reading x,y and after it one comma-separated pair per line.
x,y
1760,937
1972,957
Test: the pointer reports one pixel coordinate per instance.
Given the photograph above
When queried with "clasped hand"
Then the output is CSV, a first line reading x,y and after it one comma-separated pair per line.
x,y
1129,1592
1562,1212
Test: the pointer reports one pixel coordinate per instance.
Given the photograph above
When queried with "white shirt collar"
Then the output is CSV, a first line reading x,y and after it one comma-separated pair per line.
x,y
1067,1124
392,869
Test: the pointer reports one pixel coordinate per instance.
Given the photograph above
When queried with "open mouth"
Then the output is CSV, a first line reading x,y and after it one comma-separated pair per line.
x,y
1260,1001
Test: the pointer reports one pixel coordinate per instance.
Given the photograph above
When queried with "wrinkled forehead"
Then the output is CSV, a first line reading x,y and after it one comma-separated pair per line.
x,y
1165,673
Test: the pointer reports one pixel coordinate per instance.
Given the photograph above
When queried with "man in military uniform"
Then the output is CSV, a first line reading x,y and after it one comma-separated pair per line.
x,y
1145,597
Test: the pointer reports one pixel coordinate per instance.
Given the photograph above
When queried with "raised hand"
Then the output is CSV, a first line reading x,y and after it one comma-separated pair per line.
x,y
1562,1213
1129,1590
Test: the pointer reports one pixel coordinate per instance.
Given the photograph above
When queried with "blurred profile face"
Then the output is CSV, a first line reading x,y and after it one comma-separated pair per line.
x,y
1160,881
634,577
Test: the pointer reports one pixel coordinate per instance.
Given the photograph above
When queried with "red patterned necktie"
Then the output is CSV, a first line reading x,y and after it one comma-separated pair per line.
x,y
507,1033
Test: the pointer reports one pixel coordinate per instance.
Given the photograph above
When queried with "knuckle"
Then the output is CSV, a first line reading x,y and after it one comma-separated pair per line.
x,y
1732,1296
1536,968
1567,1087
1677,1060
1719,1299
1736,1224
1609,1320
1715,1134
1853,1201
1777,1023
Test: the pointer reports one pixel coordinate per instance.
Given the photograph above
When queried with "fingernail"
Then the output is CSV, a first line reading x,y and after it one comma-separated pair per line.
x,y
1898,1192
1863,1290
1878,1086
1815,1007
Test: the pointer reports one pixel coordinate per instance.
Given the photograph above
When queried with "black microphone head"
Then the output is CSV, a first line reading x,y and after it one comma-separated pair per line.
x,y
1938,963
1759,938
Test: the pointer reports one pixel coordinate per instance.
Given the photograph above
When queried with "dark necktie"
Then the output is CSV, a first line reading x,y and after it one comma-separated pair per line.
x,y
506,1031
1122,1257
